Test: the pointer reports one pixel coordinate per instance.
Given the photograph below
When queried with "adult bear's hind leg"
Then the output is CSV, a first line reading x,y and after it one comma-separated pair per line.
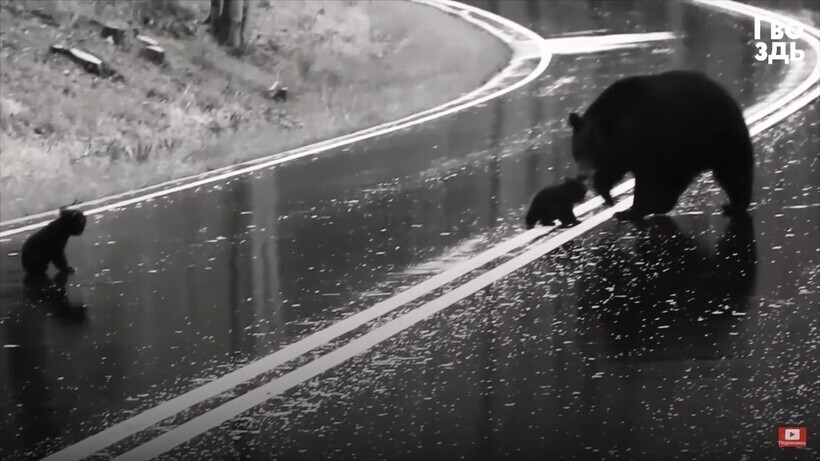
x,y
736,180
733,170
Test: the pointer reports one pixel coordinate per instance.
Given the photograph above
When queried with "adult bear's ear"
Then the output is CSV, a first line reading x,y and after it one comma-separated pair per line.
x,y
575,121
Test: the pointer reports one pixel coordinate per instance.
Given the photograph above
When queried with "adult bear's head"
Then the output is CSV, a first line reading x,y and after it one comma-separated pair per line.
x,y
586,144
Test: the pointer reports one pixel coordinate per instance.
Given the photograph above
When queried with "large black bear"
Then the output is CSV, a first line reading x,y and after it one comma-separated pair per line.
x,y
665,129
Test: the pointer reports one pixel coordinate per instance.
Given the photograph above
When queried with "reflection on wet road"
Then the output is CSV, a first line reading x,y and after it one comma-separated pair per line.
x,y
700,331
691,337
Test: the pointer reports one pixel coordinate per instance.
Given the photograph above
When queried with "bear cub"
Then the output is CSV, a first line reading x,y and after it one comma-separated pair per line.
x,y
556,202
48,244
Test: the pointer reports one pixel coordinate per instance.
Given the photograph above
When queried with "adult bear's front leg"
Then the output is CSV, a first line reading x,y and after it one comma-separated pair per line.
x,y
642,202
603,185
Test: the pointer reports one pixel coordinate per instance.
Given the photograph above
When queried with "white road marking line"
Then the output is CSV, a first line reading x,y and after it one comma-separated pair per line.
x,y
239,405
754,11
146,419
245,402
458,10
519,240
288,156
788,110
593,43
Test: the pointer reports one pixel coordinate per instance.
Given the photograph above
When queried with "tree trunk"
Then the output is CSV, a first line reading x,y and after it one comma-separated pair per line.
x,y
243,30
137,13
214,18
235,32
225,21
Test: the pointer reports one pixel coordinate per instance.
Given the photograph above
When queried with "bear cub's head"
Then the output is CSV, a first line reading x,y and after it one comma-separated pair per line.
x,y
555,202
575,188
73,221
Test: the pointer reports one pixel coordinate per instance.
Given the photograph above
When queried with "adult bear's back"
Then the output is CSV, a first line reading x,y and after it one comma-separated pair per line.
x,y
669,114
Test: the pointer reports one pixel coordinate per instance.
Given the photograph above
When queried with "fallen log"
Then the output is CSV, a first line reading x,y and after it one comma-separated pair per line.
x,y
60,49
154,54
145,40
88,61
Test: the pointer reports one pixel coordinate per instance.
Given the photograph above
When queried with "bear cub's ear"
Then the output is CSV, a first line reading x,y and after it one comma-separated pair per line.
x,y
575,121
64,211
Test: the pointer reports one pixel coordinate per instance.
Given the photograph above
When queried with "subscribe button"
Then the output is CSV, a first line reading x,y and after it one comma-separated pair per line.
x,y
792,437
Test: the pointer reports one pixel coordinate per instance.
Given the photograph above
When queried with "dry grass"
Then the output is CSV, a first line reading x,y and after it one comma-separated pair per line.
x,y
66,134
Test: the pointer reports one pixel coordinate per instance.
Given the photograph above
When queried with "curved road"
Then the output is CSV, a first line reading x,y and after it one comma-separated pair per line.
x,y
690,337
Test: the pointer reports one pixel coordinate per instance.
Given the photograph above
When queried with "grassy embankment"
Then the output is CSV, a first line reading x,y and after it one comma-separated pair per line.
x,y
66,134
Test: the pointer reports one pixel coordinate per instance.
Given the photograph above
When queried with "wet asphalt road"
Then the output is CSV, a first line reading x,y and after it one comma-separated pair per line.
x,y
692,337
